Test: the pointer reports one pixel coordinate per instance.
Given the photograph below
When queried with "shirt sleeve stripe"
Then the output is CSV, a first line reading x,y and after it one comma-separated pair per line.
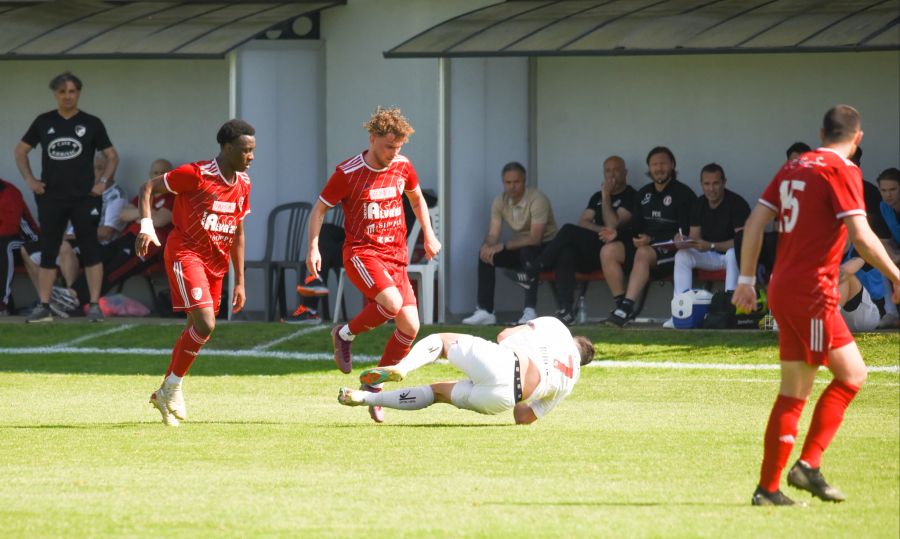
x,y
851,212
768,204
166,183
329,204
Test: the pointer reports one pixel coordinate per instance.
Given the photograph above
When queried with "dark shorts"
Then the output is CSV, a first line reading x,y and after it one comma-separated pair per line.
x,y
54,216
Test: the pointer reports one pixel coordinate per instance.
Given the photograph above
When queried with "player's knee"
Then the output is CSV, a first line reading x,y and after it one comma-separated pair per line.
x,y
204,324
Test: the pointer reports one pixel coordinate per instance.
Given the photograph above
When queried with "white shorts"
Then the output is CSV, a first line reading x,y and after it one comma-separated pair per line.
x,y
491,370
865,317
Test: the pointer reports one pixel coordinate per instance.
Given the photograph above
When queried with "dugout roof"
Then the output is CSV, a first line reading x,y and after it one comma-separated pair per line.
x,y
660,27
140,29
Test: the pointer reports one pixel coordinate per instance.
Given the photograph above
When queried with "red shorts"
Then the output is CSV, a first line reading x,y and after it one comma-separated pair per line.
x,y
192,286
371,275
801,338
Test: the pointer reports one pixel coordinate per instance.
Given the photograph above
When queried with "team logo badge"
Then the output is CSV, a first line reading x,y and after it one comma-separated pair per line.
x,y
80,130
401,183
196,293
646,199
667,201
241,204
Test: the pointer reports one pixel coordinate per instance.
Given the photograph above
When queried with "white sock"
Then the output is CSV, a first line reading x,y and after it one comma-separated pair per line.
x,y
422,353
174,380
410,398
345,333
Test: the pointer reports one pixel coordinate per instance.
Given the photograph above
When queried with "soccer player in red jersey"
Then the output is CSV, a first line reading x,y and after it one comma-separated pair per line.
x,y
817,200
212,198
369,187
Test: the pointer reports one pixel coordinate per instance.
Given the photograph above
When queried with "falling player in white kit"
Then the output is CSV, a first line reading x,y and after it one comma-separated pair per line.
x,y
530,370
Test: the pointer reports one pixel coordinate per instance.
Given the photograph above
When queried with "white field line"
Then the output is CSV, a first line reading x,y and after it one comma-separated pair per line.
x,y
297,333
320,356
90,336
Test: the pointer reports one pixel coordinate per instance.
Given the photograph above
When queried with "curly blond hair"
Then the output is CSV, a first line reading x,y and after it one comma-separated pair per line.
x,y
385,121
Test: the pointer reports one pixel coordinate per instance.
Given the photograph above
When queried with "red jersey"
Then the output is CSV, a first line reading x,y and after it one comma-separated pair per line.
x,y
373,206
163,200
15,217
811,195
207,212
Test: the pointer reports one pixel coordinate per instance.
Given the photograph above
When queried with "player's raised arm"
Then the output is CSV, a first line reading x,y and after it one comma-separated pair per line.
x,y
313,257
153,186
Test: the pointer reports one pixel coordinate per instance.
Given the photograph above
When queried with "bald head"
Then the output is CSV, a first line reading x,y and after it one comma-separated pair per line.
x,y
160,167
615,174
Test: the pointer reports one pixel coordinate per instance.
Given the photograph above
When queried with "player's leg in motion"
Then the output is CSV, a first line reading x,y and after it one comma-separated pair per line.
x,y
781,431
849,371
201,323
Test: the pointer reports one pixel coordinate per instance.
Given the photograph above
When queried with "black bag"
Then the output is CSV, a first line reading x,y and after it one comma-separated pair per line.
x,y
721,314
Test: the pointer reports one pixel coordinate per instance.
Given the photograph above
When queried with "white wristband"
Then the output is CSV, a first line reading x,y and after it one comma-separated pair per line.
x,y
147,228
747,279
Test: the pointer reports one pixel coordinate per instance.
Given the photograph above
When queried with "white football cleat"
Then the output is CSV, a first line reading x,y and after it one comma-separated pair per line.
x,y
351,397
175,401
480,318
157,399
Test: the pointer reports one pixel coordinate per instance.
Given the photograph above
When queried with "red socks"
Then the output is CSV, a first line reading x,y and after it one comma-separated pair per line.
x,y
396,348
185,352
781,434
826,419
372,316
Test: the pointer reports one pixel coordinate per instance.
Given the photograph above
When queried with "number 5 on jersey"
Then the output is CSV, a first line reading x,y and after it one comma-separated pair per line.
x,y
790,206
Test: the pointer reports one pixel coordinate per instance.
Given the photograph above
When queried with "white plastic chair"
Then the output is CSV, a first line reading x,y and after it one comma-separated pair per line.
x,y
426,271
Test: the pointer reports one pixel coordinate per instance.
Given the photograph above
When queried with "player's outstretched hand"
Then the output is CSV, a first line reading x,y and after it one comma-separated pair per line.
x,y
145,237
744,298
432,248
240,297
314,261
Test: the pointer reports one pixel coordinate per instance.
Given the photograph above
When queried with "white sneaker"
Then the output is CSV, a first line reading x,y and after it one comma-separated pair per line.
x,y
480,318
669,324
527,316
157,399
175,401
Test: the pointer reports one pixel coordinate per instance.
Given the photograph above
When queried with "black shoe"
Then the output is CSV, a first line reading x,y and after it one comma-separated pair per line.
x,y
764,497
811,480
566,317
522,278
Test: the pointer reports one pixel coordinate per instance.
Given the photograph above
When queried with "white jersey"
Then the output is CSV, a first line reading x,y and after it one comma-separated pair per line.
x,y
550,347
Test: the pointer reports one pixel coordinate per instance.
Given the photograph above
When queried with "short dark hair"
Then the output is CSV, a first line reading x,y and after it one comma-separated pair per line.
x,y
890,174
233,130
60,80
857,156
714,167
513,165
840,124
661,149
797,147
585,349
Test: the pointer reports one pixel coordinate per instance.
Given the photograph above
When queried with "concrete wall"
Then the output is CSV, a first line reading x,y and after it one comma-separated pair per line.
x,y
151,109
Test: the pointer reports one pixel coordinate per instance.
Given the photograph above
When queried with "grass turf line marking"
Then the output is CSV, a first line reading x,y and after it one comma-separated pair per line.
x,y
89,336
319,356
297,333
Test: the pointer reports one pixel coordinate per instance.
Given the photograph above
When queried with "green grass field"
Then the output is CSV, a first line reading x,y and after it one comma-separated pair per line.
x,y
634,452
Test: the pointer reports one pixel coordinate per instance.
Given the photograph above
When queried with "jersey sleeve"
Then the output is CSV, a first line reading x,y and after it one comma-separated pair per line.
x,y
32,137
183,179
335,190
770,197
101,139
595,201
540,209
412,179
246,204
542,407
846,193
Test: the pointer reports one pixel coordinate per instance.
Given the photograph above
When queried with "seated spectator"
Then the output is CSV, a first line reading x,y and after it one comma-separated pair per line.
x,y
118,257
17,226
576,247
716,217
889,185
663,208
527,212
856,305
796,149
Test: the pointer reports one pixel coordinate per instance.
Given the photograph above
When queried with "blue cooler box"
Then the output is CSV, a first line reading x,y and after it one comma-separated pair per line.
x,y
690,308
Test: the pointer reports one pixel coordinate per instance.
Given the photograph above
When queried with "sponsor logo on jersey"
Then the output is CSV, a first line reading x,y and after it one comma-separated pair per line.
x,y
64,148
646,199
667,201
95,212
219,223
80,130
387,210
370,229
196,293
223,207
51,131
384,193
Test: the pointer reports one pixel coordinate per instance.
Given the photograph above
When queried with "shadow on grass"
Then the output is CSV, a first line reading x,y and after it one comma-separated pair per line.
x,y
600,503
422,425
156,365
